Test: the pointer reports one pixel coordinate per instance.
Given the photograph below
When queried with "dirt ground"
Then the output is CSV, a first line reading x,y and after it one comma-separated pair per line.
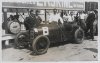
x,y
87,51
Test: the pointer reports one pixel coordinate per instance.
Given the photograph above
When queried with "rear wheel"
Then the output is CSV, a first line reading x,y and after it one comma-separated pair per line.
x,y
40,44
79,36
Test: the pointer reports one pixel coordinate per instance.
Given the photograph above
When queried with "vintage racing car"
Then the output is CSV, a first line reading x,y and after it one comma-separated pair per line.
x,y
40,37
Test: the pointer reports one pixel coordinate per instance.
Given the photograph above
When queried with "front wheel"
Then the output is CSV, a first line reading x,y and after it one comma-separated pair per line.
x,y
21,40
40,44
79,36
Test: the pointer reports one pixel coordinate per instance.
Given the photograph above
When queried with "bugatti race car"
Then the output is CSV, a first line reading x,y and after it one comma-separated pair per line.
x,y
40,37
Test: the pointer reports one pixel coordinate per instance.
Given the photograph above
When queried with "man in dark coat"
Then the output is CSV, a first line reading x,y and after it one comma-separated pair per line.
x,y
33,20
89,24
29,21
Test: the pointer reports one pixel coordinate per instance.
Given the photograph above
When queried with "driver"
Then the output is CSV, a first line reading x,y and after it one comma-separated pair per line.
x,y
55,17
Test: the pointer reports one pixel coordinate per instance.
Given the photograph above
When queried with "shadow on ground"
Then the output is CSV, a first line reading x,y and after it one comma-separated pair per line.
x,y
92,49
59,44
11,44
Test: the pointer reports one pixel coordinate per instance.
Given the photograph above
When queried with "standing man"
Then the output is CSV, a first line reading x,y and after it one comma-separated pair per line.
x,y
70,18
82,19
29,21
33,20
55,17
95,24
65,17
89,24
38,18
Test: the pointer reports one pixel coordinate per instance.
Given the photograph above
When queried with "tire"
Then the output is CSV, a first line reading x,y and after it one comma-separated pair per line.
x,y
40,42
22,42
79,36
13,27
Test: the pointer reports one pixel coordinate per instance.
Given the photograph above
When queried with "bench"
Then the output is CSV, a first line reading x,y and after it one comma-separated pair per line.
x,y
7,37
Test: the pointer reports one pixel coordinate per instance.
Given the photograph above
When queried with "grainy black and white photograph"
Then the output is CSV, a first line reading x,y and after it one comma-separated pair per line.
x,y
49,30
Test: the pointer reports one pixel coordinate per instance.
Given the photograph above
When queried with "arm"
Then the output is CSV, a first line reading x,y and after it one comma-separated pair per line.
x,y
61,20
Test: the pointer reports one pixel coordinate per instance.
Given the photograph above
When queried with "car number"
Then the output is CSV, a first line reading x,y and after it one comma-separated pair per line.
x,y
45,30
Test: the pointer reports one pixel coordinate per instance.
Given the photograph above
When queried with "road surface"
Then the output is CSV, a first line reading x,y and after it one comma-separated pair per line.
x,y
87,51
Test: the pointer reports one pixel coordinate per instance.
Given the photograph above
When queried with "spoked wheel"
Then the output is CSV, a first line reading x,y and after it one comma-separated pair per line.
x,y
40,45
79,36
21,40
